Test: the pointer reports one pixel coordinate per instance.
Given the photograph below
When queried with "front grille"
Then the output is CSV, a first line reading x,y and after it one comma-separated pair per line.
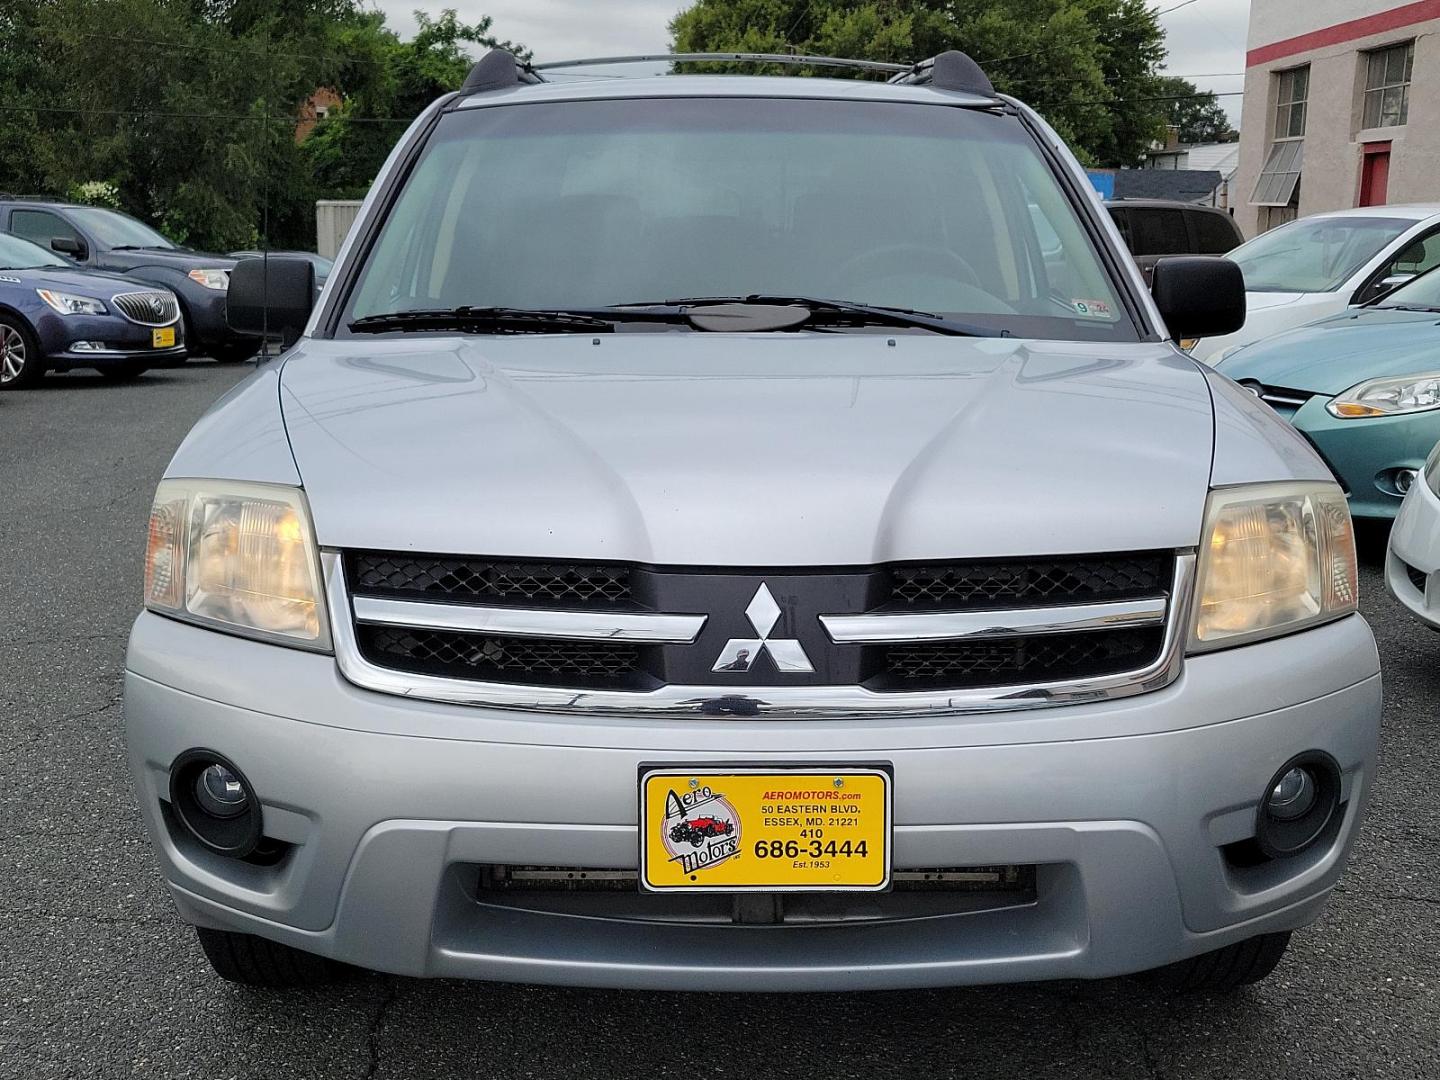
x,y
1042,658
148,308
1417,578
573,626
1032,582
435,577
598,895
495,658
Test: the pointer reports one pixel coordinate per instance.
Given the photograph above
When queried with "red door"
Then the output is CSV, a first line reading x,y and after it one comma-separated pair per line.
x,y
1375,175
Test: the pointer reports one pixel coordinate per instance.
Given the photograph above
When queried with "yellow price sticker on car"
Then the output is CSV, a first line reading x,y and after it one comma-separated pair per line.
x,y
742,830
164,338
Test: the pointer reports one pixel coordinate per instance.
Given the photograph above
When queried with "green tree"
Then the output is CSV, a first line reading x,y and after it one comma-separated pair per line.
x,y
385,83
1088,65
186,109
1199,117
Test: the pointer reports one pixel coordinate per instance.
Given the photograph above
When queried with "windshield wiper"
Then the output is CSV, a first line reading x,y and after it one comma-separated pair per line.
x,y
822,313
1408,307
483,320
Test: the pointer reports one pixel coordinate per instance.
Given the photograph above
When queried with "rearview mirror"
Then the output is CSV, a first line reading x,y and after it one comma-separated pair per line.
x,y
271,296
69,245
1199,296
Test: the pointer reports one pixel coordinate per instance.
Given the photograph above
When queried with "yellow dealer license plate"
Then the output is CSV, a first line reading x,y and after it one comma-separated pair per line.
x,y
787,830
164,338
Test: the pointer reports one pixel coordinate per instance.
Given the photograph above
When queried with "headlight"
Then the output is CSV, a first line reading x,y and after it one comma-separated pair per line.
x,y
70,303
211,279
1276,558
238,557
1388,397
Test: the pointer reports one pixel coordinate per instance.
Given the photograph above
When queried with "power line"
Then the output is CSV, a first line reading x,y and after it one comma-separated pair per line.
x,y
181,115
1174,7
1141,100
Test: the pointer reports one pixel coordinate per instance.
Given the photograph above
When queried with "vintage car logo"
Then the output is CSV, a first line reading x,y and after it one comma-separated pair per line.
x,y
740,653
700,829
157,308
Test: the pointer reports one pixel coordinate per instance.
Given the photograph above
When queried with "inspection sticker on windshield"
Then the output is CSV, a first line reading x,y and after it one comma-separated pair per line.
x,y
1092,309
737,829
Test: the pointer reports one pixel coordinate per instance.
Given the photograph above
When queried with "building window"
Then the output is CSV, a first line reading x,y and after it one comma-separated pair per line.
x,y
1387,85
1292,92
1279,182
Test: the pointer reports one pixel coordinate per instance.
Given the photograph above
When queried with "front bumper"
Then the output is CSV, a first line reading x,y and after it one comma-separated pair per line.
x,y
118,341
1412,567
1124,808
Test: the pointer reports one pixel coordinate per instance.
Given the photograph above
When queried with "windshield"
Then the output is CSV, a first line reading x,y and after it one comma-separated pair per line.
x,y
113,230
18,254
587,205
1316,254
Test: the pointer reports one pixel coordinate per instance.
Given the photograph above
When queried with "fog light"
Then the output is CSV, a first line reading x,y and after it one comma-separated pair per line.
x,y
1404,480
1293,796
220,793
1299,804
214,803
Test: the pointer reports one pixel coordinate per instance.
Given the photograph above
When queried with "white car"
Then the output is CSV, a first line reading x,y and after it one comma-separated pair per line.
x,y
1412,570
1320,265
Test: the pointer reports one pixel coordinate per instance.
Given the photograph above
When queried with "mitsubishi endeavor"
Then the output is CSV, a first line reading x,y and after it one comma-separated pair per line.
x,y
745,533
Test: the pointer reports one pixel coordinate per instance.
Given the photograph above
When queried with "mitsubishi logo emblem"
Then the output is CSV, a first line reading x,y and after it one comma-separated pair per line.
x,y
740,653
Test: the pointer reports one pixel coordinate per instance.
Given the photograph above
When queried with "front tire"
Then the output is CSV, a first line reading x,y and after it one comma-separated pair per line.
x,y
233,353
1225,970
256,961
123,372
21,365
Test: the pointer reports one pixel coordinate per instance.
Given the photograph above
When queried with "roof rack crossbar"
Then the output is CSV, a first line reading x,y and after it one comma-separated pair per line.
x,y
796,59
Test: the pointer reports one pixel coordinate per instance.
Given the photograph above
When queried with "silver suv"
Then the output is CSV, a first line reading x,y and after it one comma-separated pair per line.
x,y
746,534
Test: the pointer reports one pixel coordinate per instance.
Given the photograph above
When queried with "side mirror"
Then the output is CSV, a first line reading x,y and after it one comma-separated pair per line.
x,y
69,245
1199,296
271,297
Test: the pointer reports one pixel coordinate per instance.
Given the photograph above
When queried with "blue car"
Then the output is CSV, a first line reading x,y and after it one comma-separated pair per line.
x,y
1362,386
55,316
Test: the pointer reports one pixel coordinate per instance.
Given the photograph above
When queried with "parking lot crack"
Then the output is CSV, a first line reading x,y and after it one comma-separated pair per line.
x,y
1411,897
377,1024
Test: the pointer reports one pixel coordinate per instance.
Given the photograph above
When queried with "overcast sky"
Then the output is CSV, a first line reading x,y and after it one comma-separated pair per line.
x,y
1205,37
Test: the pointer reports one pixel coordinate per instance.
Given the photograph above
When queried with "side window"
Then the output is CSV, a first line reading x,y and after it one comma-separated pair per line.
x,y
40,227
1214,234
1414,258
1122,222
1158,232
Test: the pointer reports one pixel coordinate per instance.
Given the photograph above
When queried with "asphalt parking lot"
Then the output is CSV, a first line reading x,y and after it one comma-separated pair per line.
x,y
99,979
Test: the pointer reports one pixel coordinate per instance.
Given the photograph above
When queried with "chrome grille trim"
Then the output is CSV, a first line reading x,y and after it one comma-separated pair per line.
x,y
789,702
880,628
652,629
152,307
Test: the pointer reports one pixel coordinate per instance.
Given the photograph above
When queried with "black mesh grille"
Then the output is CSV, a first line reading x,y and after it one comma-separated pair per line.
x,y
1043,658
493,658
1417,578
488,581
1032,582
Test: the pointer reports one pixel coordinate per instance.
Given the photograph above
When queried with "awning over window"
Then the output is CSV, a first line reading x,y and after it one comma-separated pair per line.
x,y
1281,173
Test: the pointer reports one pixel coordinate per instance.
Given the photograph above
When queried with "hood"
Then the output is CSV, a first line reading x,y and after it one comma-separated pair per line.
x,y
757,451
181,259
72,279
1263,301
1334,354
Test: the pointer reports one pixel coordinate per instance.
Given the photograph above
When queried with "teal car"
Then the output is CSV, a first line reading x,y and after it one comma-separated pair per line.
x,y
1362,386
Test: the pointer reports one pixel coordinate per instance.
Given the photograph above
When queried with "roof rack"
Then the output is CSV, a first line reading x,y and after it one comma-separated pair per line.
x,y
794,59
952,70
